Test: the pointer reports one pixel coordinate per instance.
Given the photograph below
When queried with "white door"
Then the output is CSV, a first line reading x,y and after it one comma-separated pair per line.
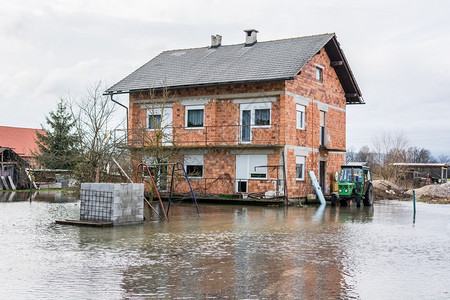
x,y
241,173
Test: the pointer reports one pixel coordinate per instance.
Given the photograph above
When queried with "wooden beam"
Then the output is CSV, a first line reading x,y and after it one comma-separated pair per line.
x,y
336,63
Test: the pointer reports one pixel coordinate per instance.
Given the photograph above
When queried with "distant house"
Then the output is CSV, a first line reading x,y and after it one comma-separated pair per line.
x,y
249,118
21,140
16,153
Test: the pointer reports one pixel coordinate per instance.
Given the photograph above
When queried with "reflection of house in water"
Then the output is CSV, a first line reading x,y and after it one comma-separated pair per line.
x,y
246,252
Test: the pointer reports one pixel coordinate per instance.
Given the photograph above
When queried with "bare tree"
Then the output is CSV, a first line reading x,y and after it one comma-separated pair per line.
x,y
442,158
154,137
365,155
419,155
94,125
350,155
389,148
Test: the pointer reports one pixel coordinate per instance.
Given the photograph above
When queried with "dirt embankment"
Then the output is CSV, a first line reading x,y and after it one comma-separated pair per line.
x,y
434,193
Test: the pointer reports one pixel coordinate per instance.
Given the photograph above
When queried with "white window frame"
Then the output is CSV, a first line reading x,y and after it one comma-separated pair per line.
x,y
323,135
321,68
153,112
253,107
151,115
301,111
300,160
166,122
187,108
194,160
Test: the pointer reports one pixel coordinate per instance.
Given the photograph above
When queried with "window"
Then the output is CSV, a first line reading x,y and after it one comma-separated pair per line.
x,y
154,121
300,167
319,74
322,128
159,172
242,186
250,166
262,117
159,118
194,166
195,116
300,116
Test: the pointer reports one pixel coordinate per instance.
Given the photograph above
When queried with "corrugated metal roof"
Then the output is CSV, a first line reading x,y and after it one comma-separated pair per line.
x,y
21,140
422,165
264,61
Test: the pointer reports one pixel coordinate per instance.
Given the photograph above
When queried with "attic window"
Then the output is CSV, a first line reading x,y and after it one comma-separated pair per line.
x,y
319,74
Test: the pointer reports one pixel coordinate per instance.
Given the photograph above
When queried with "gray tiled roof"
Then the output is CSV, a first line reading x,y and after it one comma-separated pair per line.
x,y
272,60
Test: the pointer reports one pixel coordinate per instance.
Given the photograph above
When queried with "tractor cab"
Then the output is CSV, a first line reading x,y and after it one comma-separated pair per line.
x,y
355,183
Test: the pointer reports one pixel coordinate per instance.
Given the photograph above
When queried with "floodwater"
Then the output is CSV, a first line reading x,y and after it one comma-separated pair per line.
x,y
229,252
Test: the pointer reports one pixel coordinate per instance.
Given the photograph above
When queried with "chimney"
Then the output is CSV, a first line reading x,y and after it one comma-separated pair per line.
x,y
216,41
250,37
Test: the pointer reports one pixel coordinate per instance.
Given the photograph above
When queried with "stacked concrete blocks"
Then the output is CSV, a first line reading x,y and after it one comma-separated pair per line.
x,y
119,203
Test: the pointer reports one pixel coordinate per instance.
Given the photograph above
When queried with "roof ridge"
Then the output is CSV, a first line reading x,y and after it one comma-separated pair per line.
x,y
268,41
20,127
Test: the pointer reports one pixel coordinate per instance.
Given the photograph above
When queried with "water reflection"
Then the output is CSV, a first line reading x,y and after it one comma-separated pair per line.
x,y
34,195
318,215
229,252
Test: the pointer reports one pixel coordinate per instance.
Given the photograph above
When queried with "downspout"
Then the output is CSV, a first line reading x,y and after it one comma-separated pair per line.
x,y
126,108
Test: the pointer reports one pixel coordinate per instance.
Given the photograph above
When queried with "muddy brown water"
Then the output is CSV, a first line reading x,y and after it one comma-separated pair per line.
x,y
230,251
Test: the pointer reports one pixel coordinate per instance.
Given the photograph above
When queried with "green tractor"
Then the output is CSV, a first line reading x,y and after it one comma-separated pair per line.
x,y
355,183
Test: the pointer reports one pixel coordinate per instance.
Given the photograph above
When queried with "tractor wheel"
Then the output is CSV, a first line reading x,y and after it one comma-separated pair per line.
x,y
358,200
333,200
343,202
368,198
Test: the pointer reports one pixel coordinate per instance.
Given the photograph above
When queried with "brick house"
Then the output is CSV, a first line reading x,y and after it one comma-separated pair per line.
x,y
244,117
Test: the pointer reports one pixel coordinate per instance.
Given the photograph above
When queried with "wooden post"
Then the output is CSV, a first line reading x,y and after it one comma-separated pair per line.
x,y
121,170
97,175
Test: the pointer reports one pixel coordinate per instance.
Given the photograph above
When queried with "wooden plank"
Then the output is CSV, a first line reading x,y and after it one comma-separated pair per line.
x,y
31,180
5,184
11,183
84,223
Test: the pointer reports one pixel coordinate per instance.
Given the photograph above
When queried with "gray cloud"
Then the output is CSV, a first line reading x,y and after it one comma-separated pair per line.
x,y
397,50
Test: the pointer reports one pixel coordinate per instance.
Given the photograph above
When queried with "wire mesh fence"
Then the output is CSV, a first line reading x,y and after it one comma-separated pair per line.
x,y
96,206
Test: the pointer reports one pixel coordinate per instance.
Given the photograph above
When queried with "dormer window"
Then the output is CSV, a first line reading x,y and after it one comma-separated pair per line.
x,y
319,74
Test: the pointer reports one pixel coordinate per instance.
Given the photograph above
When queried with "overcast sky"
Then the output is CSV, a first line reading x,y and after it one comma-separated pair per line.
x,y
398,51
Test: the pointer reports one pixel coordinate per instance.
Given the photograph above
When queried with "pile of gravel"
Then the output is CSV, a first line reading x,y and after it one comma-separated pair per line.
x,y
432,191
385,189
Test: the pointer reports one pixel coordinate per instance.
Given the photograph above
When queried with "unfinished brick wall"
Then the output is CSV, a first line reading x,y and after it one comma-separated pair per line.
x,y
222,118
219,171
330,95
